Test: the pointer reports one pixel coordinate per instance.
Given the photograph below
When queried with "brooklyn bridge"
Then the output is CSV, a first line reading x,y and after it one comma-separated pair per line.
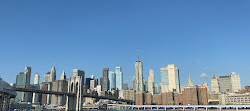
x,y
73,102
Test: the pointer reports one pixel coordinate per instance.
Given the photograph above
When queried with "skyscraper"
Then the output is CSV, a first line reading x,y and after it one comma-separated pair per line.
x,y
36,85
151,81
36,79
93,83
87,82
47,77
23,81
28,75
77,72
164,80
214,85
112,80
224,84
230,83
139,86
20,83
235,81
119,78
170,78
105,80
53,74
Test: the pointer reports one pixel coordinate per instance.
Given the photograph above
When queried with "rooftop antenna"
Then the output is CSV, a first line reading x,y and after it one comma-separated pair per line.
x,y
138,54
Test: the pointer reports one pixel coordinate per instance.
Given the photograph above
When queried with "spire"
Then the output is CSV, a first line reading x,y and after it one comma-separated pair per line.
x,y
190,83
63,76
214,77
138,54
53,67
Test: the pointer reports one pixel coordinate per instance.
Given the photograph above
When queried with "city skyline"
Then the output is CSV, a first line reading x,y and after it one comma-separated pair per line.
x,y
197,36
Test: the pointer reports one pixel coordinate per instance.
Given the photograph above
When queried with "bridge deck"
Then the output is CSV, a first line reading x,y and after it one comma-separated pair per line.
x,y
70,94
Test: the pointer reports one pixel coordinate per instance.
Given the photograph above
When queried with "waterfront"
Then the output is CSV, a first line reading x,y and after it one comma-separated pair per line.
x,y
165,110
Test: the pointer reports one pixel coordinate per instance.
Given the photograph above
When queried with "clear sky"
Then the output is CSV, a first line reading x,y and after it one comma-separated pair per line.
x,y
197,36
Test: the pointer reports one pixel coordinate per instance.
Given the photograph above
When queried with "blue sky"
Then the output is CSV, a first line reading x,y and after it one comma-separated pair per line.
x,y
197,36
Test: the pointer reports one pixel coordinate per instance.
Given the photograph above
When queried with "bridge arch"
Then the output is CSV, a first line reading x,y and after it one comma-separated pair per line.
x,y
75,85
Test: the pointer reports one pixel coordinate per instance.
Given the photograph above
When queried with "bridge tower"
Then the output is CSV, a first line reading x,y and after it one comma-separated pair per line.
x,y
75,85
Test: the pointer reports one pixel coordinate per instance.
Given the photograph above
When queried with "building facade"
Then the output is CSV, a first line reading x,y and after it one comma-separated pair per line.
x,y
235,81
138,83
151,81
225,84
119,78
23,81
170,80
105,80
53,74
112,80
215,85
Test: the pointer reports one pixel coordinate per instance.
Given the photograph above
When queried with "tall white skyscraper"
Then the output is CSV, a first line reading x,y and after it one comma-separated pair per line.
x,y
119,78
35,98
214,85
36,79
139,86
53,74
235,81
170,79
151,81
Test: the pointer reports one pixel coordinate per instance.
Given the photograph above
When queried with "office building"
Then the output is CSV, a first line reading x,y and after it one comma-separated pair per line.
x,y
53,74
235,81
23,81
145,85
47,77
151,81
235,99
224,84
119,78
164,80
229,83
139,86
157,89
112,80
139,98
93,83
170,80
87,82
77,72
215,85
127,94
105,80
125,86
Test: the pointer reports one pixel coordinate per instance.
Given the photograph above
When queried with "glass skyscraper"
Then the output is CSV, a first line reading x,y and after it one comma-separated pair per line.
x,y
164,76
119,78
112,80
170,80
